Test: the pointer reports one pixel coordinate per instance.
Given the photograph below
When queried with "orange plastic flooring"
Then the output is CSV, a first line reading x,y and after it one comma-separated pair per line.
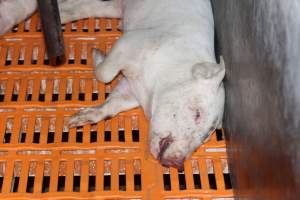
x,y
40,158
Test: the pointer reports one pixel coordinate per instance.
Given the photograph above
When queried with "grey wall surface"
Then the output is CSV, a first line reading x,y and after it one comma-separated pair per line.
x,y
260,41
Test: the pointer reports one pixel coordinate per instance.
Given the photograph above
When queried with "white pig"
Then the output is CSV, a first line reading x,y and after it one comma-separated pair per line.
x,y
167,57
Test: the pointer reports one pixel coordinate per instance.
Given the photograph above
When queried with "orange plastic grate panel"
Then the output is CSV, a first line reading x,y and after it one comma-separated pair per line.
x,y
40,158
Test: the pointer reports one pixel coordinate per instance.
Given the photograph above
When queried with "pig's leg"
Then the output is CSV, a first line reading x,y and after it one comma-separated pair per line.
x,y
71,10
121,99
106,69
14,11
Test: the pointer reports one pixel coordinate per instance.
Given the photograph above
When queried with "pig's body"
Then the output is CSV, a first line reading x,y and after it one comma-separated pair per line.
x,y
167,57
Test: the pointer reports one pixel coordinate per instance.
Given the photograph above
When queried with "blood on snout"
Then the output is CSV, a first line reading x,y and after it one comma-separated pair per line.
x,y
163,145
173,161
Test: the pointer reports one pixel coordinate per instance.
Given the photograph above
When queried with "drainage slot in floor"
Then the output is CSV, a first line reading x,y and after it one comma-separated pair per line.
x,y
20,62
65,136
107,182
219,134
227,181
46,62
182,183
61,183
107,136
2,97
212,181
30,184
15,29
68,97
8,130
76,184
14,97
197,181
41,97
121,136
83,61
50,138
36,137
8,62
137,182
28,97
167,182
81,96
15,184
122,182
1,183
54,97
135,135
93,137
94,96
79,136
46,184
7,137
22,137
92,183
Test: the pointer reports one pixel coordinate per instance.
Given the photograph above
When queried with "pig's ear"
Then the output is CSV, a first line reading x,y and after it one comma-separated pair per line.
x,y
209,72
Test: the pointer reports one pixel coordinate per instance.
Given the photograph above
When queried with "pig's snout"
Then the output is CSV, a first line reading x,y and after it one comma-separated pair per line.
x,y
172,161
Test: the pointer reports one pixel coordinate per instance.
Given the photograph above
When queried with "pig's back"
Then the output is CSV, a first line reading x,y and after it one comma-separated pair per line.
x,y
166,14
189,22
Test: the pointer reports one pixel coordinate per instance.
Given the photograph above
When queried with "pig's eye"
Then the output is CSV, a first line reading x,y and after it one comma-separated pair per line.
x,y
197,116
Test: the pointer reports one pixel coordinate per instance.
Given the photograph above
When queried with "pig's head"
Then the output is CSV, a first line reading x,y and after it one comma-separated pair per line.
x,y
185,116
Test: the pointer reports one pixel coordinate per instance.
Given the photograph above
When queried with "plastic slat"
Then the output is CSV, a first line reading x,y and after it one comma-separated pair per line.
x,y
24,176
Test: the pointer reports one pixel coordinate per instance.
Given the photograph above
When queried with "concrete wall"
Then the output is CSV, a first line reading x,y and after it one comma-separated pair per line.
x,y
260,40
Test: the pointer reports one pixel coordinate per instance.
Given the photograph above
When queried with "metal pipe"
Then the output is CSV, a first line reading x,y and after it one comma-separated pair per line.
x,y
50,19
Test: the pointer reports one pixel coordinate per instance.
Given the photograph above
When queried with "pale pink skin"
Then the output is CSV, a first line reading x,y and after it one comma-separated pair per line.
x,y
166,55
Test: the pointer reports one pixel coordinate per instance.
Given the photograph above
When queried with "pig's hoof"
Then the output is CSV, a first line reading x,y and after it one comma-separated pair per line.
x,y
85,116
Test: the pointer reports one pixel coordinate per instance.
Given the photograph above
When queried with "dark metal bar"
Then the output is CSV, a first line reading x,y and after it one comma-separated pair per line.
x,y
260,42
51,24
